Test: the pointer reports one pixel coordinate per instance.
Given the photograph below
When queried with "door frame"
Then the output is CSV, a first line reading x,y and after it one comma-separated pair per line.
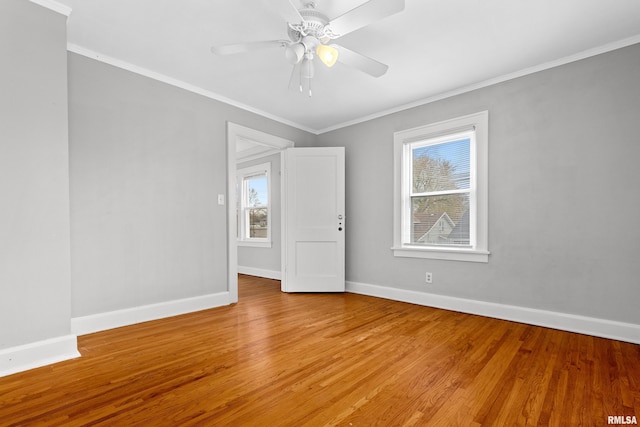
x,y
276,144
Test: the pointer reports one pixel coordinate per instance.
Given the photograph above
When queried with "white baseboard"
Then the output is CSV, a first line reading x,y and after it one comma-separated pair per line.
x,y
260,272
621,331
130,316
37,354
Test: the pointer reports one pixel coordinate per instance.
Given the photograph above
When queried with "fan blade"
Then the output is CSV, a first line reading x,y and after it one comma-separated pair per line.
x,y
231,49
287,10
365,14
361,62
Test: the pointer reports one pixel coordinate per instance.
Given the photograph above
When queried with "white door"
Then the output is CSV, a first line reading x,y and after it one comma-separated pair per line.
x,y
314,220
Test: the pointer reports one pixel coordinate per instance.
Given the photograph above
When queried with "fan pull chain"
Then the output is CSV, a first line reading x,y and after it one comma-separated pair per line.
x,y
300,79
293,73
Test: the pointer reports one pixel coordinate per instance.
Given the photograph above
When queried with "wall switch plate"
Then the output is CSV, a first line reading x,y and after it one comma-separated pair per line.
x,y
221,199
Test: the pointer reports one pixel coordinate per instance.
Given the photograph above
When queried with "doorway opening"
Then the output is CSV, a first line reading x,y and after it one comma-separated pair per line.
x,y
248,148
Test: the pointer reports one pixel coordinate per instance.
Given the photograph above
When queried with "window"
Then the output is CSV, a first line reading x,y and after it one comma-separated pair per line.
x,y
253,210
440,190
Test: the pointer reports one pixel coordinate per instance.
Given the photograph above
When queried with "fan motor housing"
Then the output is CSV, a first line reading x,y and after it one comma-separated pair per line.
x,y
315,24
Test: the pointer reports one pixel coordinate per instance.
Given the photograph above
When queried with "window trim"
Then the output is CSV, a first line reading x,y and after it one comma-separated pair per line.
x,y
479,251
242,175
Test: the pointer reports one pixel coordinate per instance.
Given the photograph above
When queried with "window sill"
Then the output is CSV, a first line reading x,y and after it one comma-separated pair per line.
x,y
263,244
449,254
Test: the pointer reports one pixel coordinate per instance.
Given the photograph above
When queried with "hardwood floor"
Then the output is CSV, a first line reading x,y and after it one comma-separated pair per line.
x,y
329,359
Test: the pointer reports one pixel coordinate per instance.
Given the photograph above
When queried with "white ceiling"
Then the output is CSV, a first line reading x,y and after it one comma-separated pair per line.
x,y
433,47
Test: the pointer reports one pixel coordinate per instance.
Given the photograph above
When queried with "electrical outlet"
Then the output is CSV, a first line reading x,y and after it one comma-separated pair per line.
x,y
428,278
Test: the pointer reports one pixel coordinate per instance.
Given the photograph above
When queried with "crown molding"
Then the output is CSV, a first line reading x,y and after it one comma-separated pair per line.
x,y
55,6
181,84
464,89
490,82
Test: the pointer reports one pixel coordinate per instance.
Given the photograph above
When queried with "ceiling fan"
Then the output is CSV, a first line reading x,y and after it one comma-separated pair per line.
x,y
311,35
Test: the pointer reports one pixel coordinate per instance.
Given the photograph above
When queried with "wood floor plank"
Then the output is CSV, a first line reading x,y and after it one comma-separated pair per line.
x,y
328,359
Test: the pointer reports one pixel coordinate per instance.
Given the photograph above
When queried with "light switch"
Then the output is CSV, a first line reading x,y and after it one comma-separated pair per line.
x,y
221,199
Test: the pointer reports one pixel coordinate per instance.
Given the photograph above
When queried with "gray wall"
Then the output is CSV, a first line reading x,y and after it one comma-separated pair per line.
x,y
34,170
563,192
147,162
266,258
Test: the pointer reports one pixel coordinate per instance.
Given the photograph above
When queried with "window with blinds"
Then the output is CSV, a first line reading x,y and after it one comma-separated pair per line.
x,y
441,191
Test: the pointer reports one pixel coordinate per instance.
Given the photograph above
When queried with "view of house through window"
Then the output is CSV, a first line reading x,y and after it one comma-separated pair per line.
x,y
254,203
440,191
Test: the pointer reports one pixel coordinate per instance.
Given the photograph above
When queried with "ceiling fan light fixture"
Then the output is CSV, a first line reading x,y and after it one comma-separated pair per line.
x,y
294,52
327,54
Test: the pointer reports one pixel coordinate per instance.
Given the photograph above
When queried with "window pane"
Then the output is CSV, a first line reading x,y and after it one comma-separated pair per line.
x,y
441,167
257,191
440,220
258,222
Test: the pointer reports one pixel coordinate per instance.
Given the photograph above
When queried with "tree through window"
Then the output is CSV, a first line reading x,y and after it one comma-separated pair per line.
x,y
440,190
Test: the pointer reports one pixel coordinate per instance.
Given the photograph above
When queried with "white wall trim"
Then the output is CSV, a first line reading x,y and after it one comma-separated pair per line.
x,y
260,272
55,6
244,158
490,82
179,83
130,316
619,44
37,354
621,331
